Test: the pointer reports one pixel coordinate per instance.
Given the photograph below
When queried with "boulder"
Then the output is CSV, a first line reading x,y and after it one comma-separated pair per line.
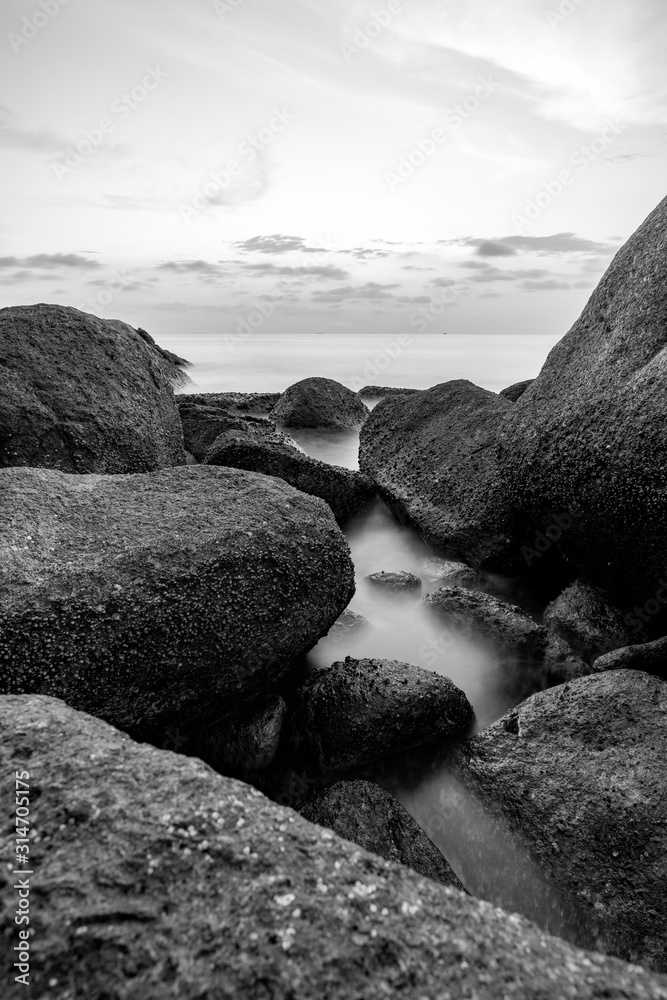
x,y
204,422
436,569
233,402
516,391
346,491
155,877
590,625
578,773
366,814
359,710
248,745
511,633
379,391
650,657
155,598
319,402
433,454
83,394
398,583
590,431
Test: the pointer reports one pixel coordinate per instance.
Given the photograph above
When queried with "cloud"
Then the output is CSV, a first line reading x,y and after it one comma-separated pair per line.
x,y
371,290
493,248
15,136
190,267
49,261
555,244
328,271
543,286
277,244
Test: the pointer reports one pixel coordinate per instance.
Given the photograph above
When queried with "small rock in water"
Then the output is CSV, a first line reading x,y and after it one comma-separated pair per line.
x,y
435,569
396,582
348,622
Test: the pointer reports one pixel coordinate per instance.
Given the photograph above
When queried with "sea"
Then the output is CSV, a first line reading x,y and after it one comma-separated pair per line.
x,y
482,850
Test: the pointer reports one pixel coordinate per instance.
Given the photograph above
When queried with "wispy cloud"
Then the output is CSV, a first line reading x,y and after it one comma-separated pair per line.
x,y
49,261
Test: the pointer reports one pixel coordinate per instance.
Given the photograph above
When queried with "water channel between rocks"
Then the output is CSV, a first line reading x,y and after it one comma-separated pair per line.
x,y
481,849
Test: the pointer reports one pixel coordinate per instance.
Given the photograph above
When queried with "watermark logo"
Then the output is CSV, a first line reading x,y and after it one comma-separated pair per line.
x,y
31,26
365,34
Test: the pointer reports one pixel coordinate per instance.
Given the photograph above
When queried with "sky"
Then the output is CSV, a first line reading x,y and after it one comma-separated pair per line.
x,y
326,166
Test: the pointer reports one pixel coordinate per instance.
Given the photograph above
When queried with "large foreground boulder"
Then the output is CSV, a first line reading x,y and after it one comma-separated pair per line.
x,y
83,394
590,429
370,816
578,773
345,491
153,878
152,598
319,402
358,710
433,454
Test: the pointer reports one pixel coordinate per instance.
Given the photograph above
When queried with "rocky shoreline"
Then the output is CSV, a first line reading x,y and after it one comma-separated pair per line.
x,y
169,560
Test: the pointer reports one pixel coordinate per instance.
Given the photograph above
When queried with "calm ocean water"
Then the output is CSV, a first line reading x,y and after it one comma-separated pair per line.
x,y
271,363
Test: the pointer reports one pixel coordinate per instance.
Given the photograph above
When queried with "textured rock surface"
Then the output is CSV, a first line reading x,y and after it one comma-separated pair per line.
x,y
590,625
453,573
249,745
358,710
348,622
648,656
234,402
590,430
147,598
319,402
345,491
156,878
516,391
83,394
434,455
579,773
509,631
204,422
398,582
368,815
375,391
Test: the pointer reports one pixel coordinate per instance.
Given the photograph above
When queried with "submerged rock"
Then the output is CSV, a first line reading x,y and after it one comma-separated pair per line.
x,y
358,710
399,582
83,394
433,454
151,599
578,772
368,815
190,885
648,656
509,631
591,626
348,622
345,491
204,422
319,402
454,573
516,391
590,432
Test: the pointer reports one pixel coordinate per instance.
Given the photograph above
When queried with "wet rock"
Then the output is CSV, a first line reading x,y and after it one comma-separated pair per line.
x,y
380,391
83,394
249,745
591,626
345,491
187,884
509,631
578,772
399,582
366,814
650,657
433,454
152,599
516,391
348,622
204,422
319,402
590,432
453,573
234,402
358,710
